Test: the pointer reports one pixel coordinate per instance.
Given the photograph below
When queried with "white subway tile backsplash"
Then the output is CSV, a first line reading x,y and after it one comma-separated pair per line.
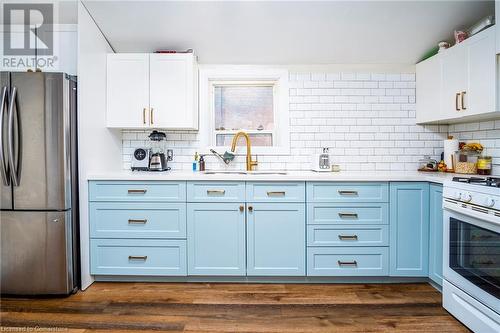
x,y
366,119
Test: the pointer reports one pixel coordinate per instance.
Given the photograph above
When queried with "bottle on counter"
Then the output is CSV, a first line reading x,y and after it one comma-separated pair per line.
x,y
195,161
201,163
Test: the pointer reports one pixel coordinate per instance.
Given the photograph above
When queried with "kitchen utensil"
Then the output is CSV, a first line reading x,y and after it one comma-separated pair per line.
x,y
227,157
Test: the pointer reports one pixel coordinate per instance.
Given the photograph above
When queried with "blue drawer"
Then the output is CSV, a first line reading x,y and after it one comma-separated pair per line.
x,y
348,213
137,191
209,191
347,235
347,261
138,257
347,192
275,192
137,220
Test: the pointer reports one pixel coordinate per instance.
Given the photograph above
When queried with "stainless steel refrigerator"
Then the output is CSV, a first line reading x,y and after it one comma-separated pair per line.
x,y
39,197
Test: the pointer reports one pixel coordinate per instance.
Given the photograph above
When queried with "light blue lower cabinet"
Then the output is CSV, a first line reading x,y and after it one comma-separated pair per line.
x,y
436,233
347,235
276,239
216,239
138,257
409,229
137,220
347,261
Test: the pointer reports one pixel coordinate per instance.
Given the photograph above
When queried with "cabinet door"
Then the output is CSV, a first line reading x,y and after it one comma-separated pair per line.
x,y
409,229
276,239
436,234
497,16
454,79
172,91
216,239
429,90
127,89
480,91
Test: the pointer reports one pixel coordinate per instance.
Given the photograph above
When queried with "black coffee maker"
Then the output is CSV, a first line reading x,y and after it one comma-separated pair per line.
x,y
157,160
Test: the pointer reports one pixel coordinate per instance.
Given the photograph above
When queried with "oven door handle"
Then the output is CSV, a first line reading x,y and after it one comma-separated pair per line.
x,y
456,207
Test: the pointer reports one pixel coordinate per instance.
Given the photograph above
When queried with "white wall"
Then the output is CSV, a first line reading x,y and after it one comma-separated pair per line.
x,y
99,148
366,116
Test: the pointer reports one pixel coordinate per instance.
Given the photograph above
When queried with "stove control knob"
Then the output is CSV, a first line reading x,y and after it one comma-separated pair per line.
x,y
458,195
466,197
489,202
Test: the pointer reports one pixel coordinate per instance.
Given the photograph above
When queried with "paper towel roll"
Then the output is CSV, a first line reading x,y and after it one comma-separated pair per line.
x,y
450,147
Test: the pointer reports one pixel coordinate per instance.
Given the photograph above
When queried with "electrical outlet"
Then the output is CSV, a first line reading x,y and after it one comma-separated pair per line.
x,y
170,154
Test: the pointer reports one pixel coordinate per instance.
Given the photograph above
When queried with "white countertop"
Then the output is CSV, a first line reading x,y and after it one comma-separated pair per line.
x,y
355,176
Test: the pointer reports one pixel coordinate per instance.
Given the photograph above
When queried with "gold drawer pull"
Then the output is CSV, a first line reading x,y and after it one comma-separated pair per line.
x,y
347,263
457,95
348,237
144,116
219,192
132,191
348,215
276,193
463,100
137,221
344,192
137,257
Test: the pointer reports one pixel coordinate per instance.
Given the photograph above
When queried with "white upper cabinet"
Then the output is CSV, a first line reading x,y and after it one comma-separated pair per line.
x,y
497,18
459,84
428,89
127,97
172,91
152,91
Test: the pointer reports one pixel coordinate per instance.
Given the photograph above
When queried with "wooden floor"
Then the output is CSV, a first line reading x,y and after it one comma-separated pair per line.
x,y
206,307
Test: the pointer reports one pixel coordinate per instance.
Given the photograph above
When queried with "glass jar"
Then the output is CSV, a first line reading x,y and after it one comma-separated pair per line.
x,y
484,165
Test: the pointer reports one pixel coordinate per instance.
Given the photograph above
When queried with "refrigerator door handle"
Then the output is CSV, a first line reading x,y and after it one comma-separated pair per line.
x,y
15,165
4,169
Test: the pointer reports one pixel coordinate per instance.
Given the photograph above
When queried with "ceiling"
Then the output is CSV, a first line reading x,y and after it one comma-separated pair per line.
x,y
282,32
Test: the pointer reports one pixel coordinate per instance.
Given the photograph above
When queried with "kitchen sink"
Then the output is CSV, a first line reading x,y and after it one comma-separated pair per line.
x,y
243,172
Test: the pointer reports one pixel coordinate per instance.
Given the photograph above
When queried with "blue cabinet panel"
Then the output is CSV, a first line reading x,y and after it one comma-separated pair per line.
x,y
216,239
347,192
138,257
209,191
137,191
409,229
347,235
275,192
348,213
137,220
276,239
436,234
347,261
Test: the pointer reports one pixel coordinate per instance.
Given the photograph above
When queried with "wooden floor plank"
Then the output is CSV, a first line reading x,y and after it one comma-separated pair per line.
x,y
233,307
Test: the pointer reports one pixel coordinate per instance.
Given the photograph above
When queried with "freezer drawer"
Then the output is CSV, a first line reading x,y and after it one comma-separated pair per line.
x,y
36,253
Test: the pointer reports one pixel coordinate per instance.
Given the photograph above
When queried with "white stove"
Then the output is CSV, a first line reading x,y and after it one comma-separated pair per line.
x,y
471,251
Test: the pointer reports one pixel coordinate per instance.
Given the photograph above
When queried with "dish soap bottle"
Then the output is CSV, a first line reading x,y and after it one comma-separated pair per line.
x,y
195,162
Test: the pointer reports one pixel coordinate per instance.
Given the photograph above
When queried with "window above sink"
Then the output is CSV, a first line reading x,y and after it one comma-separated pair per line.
x,y
253,99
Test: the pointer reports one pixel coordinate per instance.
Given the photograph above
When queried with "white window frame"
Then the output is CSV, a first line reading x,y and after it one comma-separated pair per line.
x,y
217,75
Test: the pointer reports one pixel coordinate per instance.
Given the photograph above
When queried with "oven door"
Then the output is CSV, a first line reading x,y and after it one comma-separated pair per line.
x,y
471,256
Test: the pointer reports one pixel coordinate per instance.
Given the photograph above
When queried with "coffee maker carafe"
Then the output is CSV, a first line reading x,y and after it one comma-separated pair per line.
x,y
157,161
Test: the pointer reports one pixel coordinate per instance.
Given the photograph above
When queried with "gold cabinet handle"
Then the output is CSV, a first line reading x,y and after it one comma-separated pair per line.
x,y
144,116
456,101
250,208
347,263
151,116
242,208
136,191
137,221
276,193
218,192
463,100
137,257
348,237
348,215
348,192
